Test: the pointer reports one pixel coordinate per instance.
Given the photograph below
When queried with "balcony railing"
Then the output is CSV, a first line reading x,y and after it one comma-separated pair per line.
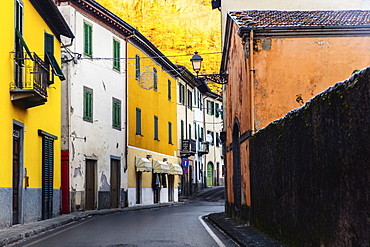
x,y
29,88
203,148
188,148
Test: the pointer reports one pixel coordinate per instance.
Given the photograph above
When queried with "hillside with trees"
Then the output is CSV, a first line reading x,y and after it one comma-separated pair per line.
x,y
178,28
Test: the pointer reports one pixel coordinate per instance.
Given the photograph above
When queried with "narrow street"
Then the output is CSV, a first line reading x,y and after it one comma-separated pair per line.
x,y
168,226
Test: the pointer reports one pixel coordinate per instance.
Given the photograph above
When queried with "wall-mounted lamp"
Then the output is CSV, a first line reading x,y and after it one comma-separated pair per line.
x,y
149,156
196,61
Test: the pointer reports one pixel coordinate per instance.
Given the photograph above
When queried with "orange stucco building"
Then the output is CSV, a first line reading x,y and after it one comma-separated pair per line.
x,y
277,61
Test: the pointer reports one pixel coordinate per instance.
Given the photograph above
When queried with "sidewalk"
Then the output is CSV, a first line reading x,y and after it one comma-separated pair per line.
x,y
242,234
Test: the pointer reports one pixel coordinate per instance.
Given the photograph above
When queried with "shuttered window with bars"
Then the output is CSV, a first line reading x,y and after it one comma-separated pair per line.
x,y
47,173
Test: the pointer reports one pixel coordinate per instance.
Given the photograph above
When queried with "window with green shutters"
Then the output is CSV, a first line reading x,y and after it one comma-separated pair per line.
x,y
169,89
138,121
87,40
181,93
190,100
116,114
212,108
137,68
216,110
116,55
88,104
169,132
155,128
155,79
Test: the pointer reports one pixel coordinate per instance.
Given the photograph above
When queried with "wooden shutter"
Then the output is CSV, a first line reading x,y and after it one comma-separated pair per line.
x,y
138,121
137,59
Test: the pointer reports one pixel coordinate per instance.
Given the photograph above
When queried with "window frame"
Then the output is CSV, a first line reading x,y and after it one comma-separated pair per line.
x,y
116,55
88,102
88,39
137,67
190,99
116,113
138,121
170,133
156,137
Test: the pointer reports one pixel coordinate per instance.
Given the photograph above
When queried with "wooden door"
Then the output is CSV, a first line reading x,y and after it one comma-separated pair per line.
x,y
90,184
16,174
171,181
138,187
115,182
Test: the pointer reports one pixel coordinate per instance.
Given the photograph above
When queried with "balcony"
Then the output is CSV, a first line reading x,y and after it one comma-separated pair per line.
x,y
188,148
203,148
30,81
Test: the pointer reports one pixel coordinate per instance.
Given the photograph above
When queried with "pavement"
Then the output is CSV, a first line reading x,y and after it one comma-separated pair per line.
x,y
242,234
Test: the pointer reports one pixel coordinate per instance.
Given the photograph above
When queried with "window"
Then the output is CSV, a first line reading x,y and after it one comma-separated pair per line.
x,y
137,64
155,79
182,129
88,104
116,114
190,100
195,131
201,134
155,128
216,110
195,97
116,55
169,89
19,56
181,93
189,131
169,132
87,40
50,60
217,140
208,105
212,108
212,135
138,121
200,102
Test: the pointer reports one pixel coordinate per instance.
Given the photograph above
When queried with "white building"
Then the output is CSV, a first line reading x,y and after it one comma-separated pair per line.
x,y
93,107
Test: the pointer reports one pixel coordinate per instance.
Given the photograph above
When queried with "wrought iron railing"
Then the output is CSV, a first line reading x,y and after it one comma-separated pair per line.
x,y
31,73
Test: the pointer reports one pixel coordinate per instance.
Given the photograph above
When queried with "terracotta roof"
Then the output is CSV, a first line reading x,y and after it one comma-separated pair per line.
x,y
281,19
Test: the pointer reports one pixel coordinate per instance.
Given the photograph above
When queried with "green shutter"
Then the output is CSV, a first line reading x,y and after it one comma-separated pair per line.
x,y
216,110
155,79
138,121
169,132
87,40
137,59
116,115
47,176
169,89
116,55
87,106
155,128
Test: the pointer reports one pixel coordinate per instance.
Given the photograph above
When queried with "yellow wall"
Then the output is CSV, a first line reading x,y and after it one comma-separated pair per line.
x,y
45,117
152,103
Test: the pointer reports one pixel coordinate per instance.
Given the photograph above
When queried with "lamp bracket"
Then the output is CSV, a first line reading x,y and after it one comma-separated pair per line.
x,y
216,78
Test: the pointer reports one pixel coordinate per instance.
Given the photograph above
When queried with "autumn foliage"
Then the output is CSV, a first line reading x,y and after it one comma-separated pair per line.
x,y
177,27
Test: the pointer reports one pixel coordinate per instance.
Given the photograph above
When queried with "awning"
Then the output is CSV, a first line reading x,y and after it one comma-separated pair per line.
x,y
160,167
142,164
175,168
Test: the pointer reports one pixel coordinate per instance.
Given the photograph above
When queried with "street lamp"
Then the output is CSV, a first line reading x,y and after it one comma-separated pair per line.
x,y
196,60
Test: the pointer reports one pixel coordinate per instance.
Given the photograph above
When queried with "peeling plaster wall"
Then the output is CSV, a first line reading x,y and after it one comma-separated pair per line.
x,y
96,140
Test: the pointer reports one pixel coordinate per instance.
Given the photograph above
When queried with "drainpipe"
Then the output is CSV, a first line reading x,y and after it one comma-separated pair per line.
x,y
251,69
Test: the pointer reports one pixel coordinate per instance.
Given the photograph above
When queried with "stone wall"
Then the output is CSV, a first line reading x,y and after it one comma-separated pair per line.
x,y
310,170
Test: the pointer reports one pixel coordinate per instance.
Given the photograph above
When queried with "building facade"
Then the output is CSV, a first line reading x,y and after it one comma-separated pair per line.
x,y
30,175
94,108
153,166
271,74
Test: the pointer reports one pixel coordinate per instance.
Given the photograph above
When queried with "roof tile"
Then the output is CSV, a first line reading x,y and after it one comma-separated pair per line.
x,y
275,18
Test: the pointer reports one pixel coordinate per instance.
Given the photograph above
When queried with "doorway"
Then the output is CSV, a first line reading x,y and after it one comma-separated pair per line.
x,y
17,154
171,187
114,182
210,174
139,176
90,184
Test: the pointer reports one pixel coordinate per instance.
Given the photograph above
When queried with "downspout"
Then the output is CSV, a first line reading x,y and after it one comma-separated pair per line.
x,y
125,124
251,70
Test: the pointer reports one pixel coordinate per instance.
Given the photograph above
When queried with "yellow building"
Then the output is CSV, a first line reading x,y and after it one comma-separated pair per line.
x,y
153,165
31,108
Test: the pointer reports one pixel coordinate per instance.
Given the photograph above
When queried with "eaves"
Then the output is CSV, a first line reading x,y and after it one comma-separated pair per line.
x,y
304,32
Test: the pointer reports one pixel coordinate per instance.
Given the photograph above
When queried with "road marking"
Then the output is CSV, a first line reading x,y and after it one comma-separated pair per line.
x,y
213,235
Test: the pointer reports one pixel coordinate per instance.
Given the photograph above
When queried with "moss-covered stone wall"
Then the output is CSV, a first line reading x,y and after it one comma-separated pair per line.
x,y
310,170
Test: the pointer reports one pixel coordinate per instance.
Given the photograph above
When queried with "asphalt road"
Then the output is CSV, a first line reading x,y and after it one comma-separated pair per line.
x,y
167,226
